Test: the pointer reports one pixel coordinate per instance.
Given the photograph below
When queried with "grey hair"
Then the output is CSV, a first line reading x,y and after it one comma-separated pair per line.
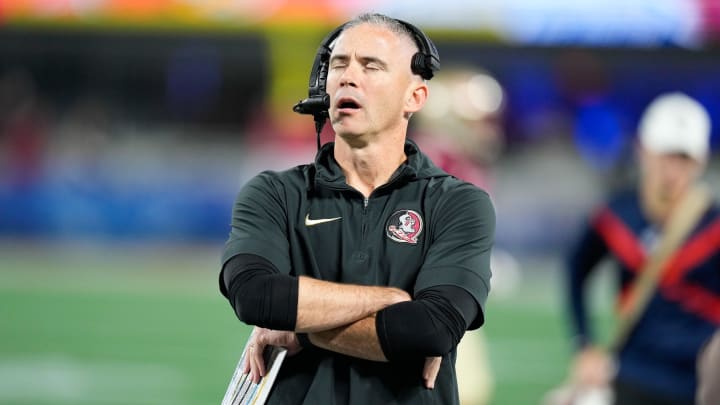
x,y
382,20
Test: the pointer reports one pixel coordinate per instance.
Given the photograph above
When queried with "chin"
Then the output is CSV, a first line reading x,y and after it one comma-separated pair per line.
x,y
346,131
352,139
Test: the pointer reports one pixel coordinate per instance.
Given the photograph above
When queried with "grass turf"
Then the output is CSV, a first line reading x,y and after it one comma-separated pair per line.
x,y
128,325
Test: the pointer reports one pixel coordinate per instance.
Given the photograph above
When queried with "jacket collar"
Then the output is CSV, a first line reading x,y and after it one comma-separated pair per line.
x,y
328,173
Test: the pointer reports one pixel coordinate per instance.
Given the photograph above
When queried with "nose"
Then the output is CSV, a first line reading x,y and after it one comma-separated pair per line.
x,y
677,170
349,75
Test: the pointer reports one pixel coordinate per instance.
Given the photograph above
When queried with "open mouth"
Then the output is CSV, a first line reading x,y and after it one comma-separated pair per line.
x,y
347,104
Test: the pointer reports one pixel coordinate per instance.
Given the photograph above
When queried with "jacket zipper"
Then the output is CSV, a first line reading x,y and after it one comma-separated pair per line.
x,y
366,200
364,226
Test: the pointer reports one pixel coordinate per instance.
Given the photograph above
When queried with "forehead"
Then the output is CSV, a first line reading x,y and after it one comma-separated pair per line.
x,y
372,38
661,158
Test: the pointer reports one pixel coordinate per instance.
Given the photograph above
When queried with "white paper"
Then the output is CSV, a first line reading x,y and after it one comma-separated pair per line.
x,y
242,391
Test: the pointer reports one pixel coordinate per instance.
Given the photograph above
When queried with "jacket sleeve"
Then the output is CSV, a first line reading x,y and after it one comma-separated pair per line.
x,y
430,325
462,235
258,293
587,252
259,223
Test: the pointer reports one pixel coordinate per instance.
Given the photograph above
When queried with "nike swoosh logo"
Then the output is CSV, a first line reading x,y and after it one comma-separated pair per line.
x,y
313,222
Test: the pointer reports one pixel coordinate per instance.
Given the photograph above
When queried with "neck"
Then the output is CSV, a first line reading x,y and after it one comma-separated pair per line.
x,y
371,165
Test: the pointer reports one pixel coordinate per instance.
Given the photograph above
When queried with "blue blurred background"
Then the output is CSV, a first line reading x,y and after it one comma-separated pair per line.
x,y
127,127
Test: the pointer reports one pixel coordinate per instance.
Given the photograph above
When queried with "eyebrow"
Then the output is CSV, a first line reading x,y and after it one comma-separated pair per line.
x,y
363,59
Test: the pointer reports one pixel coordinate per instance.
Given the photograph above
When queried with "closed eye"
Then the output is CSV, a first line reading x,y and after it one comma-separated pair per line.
x,y
373,63
339,61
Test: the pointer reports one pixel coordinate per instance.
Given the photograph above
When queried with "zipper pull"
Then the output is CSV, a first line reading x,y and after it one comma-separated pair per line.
x,y
365,202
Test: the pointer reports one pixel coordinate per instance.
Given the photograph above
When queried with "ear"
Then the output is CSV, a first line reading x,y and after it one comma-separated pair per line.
x,y
417,95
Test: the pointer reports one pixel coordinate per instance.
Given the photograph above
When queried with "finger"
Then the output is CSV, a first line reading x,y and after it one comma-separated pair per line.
x,y
252,362
258,363
246,360
254,373
435,370
430,371
248,353
261,360
254,377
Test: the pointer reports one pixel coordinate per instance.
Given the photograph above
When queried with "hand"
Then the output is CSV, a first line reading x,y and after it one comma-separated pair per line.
x,y
399,296
591,367
430,371
260,338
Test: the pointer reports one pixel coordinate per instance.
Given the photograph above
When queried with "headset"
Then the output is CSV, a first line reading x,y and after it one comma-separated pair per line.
x,y
425,63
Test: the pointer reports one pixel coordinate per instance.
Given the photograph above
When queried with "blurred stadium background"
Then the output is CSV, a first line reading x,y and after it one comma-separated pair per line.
x,y
127,127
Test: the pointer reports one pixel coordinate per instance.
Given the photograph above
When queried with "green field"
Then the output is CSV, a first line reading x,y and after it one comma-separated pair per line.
x,y
121,324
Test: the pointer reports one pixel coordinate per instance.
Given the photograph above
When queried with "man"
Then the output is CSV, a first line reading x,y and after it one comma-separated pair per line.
x,y
324,253
656,364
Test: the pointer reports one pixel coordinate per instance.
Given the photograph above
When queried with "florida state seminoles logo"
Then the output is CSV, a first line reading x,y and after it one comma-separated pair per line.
x,y
404,226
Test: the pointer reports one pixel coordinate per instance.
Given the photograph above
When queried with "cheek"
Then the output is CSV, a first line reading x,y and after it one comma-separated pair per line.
x,y
681,170
392,102
686,175
331,83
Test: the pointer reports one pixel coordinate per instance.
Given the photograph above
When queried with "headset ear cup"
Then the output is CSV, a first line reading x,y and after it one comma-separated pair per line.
x,y
419,66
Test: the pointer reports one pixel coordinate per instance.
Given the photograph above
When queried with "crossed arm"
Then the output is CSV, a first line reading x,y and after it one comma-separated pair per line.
x,y
343,318
337,317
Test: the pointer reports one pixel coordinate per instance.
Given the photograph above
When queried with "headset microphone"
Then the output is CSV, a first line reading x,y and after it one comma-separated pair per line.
x,y
318,106
313,105
318,102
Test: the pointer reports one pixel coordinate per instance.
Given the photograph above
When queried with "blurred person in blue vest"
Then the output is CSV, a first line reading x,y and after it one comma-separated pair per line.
x,y
656,364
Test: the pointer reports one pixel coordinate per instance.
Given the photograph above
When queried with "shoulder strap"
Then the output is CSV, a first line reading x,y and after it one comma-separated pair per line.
x,y
681,222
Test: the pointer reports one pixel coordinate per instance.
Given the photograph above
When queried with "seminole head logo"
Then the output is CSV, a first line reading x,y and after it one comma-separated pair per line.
x,y
404,226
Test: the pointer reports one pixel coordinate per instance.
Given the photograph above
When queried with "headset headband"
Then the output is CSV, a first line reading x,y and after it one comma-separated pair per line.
x,y
426,61
423,63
